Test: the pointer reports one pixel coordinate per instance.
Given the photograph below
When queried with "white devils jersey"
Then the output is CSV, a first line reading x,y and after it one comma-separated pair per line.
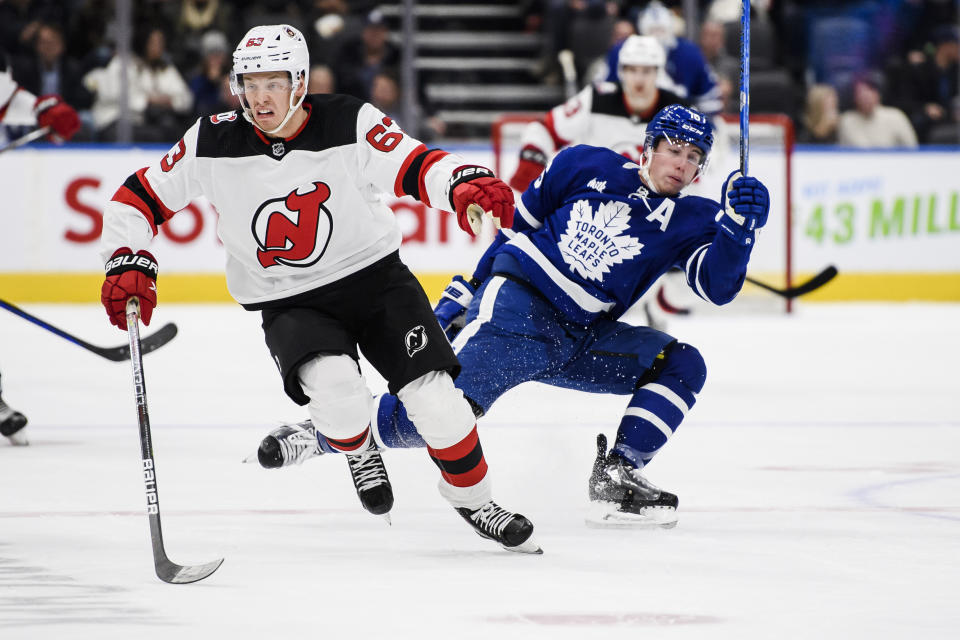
x,y
294,214
597,116
16,105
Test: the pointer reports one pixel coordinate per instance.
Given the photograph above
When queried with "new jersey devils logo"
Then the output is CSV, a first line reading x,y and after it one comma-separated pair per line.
x,y
294,230
416,339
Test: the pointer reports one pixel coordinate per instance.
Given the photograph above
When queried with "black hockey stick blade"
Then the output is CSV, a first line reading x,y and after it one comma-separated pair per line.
x,y
152,342
173,573
812,284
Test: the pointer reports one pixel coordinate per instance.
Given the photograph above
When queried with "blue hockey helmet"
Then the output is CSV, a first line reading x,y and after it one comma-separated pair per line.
x,y
677,123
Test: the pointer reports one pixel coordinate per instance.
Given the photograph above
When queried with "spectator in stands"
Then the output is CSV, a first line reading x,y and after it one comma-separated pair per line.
x,y
49,71
206,83
714,48
872,124
821,116
158,96
198,18
168,97
687,72
385,95
363,58
332,25
86,33
931,85
321,79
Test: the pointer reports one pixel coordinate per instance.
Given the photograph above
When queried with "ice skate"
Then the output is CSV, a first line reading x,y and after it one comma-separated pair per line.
x,y
12,424
621,497
287,445
511,530
370,479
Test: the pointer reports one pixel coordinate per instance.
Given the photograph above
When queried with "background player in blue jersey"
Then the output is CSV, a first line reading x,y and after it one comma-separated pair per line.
x,y
590,235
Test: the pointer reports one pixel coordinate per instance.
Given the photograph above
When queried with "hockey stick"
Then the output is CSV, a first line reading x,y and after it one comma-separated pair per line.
x,y
812,284
565,57
152,342
167,570
26,139
745,87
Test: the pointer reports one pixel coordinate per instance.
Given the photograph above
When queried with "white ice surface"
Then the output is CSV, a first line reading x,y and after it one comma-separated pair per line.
x,y
818,475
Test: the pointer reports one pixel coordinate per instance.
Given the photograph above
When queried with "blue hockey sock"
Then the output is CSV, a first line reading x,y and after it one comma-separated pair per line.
x,y
393,428
658,407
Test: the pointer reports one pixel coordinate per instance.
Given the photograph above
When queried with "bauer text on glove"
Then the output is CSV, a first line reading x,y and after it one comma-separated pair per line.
x,y
473,185
129,275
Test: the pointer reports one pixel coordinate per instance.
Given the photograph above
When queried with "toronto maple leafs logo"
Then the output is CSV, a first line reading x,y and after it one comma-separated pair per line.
x,y
595,241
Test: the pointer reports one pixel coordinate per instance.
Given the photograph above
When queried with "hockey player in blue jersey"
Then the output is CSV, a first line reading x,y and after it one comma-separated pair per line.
x,y
590,235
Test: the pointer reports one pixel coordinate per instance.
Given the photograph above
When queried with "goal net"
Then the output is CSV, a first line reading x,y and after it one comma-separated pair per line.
x,y
771,148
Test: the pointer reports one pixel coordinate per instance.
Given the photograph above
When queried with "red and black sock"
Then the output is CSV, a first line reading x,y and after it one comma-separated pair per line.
x,y
462,464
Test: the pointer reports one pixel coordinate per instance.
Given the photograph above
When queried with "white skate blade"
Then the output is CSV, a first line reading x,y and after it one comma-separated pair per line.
x,y
605,515
250,458
19,438
386,516
529,546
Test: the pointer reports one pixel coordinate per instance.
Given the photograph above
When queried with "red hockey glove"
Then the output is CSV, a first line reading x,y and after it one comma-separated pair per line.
x,y
532,162
129,275
51,111
475,191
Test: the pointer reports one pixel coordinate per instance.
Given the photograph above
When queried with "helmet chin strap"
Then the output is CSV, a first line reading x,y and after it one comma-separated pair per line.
x,y
248,113
645,170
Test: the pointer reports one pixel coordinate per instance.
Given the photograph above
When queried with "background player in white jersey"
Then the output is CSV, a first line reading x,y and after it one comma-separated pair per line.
x,y
20,107
297,181
607,114
589,237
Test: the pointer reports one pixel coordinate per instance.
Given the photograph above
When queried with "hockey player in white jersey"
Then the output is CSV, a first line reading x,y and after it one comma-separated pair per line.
x,y
297,181
607,114
589,237
20,107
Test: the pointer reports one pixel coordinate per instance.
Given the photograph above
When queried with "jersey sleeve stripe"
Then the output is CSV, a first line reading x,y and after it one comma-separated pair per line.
x,y
143,198
403,185
432,158
693,270
526,215
551,127
125,196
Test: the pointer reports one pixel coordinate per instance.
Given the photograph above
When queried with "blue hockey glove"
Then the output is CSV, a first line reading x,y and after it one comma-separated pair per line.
x,y
746,204
451,311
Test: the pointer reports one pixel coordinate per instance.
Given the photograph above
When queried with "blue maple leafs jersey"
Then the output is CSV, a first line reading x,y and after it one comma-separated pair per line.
x,y
592,238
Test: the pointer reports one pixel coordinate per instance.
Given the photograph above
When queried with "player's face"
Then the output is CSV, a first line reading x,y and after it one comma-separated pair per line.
x,y
268,95
674,165
638,80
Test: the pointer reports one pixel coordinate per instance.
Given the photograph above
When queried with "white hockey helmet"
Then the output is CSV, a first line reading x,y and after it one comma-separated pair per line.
x,y
657,21
273,47
641,51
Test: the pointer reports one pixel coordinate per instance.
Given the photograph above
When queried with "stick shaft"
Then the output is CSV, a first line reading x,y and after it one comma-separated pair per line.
x,y
26,139
745,88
